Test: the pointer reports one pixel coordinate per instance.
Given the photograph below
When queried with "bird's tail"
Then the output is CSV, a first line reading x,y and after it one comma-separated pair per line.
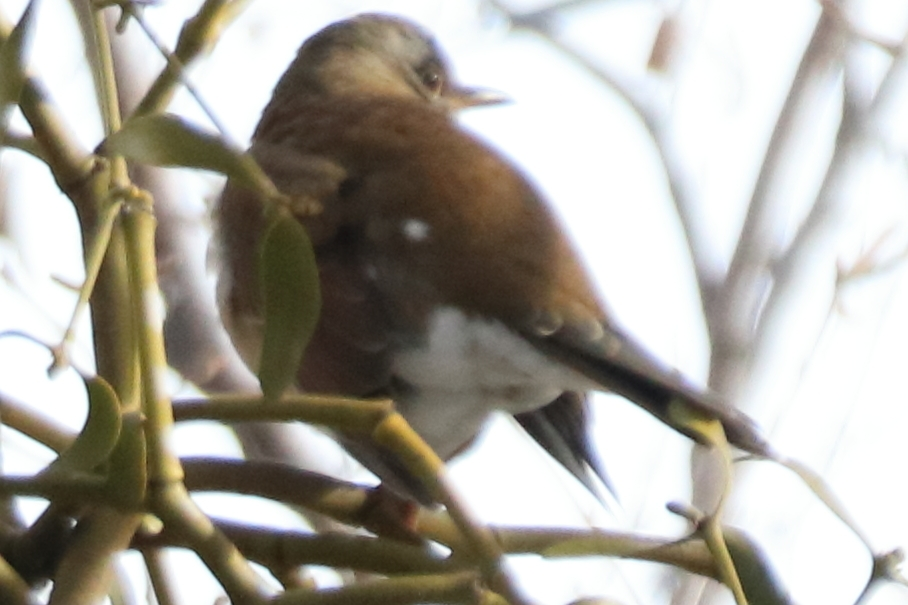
x,y
623,367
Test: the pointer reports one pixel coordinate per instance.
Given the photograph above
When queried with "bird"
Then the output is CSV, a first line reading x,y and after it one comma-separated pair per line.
x,y
447,283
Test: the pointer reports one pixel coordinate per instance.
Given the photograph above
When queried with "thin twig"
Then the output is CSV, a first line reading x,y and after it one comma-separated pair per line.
x,y
858,129
732,314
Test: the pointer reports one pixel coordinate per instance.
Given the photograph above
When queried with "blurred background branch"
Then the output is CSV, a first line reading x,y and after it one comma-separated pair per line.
x,y
725,168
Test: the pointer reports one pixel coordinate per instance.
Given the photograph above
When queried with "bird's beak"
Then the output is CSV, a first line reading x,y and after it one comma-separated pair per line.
x,y
463,97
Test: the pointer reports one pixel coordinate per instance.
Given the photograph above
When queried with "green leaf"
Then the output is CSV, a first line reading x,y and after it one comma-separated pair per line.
x,y
127,478
12,64
292,302
169,140
761,584
99,435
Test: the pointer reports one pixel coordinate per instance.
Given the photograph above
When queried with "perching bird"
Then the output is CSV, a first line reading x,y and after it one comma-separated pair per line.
x,y
447,284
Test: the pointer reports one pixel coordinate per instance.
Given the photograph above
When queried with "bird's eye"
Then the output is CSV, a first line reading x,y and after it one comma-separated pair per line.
x,y
433,81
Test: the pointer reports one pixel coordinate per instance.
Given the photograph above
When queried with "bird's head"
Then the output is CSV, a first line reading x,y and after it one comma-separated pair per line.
x,y
378,55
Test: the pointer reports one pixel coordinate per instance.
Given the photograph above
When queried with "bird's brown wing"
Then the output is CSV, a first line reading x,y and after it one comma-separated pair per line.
x,y
349,351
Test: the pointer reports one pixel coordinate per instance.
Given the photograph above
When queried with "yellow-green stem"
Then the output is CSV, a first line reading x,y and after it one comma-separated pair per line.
x,y
139,227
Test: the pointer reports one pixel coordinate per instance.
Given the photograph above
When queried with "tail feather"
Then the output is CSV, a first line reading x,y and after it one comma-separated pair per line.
x,y
561,428
623,367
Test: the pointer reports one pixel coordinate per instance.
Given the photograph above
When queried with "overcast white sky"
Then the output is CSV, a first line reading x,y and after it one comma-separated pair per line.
x,y
834,398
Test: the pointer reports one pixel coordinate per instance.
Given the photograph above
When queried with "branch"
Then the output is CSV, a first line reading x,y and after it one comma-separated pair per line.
x,y
733,313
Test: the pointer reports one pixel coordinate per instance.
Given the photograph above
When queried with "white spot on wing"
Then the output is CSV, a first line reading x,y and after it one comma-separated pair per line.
x,y
415,230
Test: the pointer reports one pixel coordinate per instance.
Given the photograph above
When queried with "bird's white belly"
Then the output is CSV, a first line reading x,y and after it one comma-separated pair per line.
x,y
468,368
